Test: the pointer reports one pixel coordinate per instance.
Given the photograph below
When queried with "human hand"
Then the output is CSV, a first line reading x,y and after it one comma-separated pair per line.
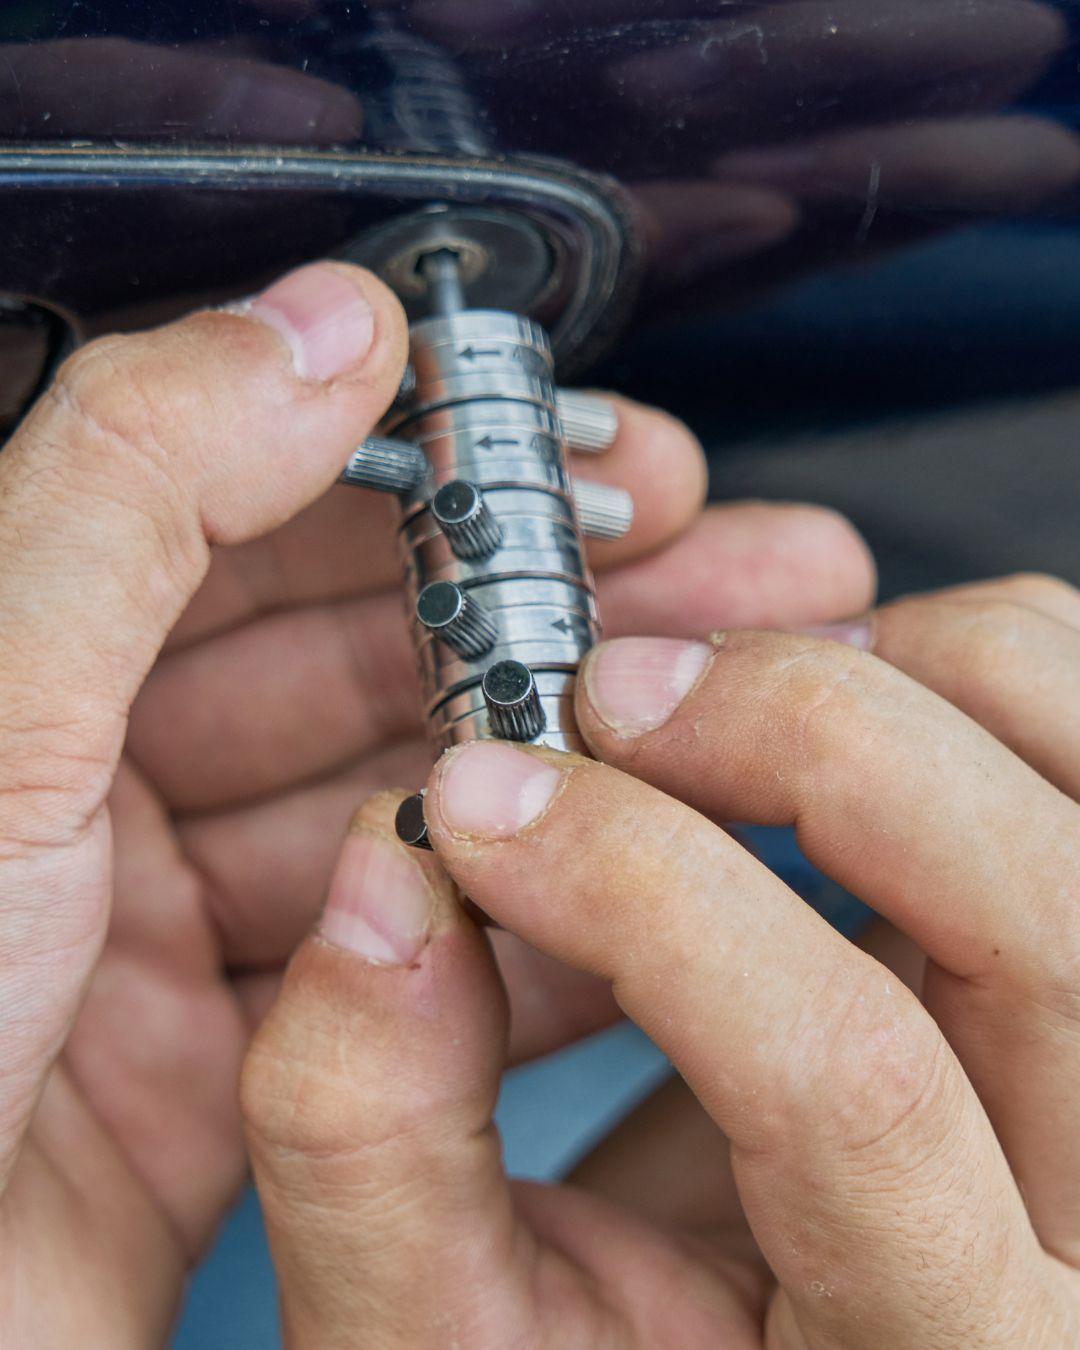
x,y
156,869
881,1171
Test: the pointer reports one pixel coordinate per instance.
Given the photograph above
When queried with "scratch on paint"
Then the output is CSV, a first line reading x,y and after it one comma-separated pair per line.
x,y
873,191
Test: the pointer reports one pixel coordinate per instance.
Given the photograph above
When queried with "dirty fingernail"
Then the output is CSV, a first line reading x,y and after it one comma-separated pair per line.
x,y
324,317
494,791
379,904
635,684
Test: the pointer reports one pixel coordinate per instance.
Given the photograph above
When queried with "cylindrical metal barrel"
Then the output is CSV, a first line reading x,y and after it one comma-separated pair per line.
x,y
484,412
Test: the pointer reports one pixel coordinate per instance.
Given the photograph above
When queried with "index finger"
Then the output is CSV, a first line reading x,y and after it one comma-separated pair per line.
x,y
863,1158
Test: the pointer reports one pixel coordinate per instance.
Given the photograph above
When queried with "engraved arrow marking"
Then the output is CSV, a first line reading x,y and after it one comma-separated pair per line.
x,y
563,625
490,442
471,353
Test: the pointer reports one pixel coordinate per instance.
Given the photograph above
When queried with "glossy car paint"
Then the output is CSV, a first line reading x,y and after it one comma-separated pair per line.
x,y
864,205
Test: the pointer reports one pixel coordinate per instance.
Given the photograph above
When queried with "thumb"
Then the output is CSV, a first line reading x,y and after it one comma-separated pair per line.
x,y
146,450
368,1095
150,447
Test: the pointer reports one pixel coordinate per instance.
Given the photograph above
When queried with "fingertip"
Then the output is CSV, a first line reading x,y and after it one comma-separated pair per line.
x,y
487,791
391,321
744,565
386,901
847,567
282,386
380,906
629,686
336,321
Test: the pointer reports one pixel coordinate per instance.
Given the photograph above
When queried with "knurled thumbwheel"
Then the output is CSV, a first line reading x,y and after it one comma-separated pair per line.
x,y
453,616
513,702
589,423
386,465
603,511
466,520
410,824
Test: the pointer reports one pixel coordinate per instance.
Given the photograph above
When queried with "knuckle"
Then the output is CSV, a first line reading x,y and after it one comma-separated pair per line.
x,y
285,1104
1044,979
874,1079
832,690
52,783
111,431
114,391
300,1095
318,1133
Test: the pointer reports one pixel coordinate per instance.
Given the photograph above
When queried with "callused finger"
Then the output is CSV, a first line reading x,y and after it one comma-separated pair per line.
x,y
915,808
146,451
854,1134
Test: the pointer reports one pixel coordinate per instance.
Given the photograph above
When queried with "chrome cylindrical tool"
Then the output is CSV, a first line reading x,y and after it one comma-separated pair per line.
x,y
499,595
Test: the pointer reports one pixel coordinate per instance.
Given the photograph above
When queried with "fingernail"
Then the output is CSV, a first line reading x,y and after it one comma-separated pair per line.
x,y
379,905
494,791
323,316
853,633
635,684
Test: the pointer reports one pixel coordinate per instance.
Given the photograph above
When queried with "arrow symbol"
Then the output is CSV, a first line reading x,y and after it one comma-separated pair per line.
x,y
490,442
563,625
471,353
